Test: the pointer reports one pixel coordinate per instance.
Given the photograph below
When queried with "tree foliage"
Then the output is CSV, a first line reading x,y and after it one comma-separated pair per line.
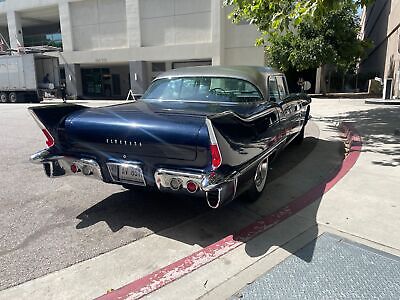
x,y
304,34
332,39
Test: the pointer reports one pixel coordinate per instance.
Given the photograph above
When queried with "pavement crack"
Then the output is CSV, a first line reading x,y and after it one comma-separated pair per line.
x,y
30,238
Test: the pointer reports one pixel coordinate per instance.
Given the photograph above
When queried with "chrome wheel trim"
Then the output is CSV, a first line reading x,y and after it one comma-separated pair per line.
x,y
261,176
13,97
3,97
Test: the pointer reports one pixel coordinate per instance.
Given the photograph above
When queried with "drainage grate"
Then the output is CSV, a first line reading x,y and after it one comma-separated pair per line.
x,y
330,268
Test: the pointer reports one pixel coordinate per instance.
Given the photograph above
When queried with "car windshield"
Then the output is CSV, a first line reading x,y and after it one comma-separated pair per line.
x,y
203,89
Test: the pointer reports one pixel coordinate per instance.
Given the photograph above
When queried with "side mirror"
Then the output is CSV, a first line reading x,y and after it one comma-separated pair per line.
x,y
306,86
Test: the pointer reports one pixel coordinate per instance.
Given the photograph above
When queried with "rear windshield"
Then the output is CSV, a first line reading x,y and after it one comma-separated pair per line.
x,y
203,89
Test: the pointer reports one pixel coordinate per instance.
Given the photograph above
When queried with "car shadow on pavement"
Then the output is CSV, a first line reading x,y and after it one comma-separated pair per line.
x,y
380,129
190,221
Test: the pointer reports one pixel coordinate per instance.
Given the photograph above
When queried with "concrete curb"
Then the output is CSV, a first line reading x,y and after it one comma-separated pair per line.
x,y
383,102
160,278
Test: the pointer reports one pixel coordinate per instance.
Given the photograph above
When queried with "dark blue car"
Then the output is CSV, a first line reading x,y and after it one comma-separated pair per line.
x,y
204,131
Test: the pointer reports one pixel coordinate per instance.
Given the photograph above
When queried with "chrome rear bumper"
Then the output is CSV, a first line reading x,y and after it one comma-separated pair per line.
x,y
58,166
217,190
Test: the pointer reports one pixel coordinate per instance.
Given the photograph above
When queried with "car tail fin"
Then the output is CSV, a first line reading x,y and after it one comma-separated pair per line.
x,y
216,158
50,117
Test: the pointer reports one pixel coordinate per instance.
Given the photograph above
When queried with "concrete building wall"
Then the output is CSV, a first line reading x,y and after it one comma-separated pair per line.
x,y
98,24
136,33
392,63
174,22
381,25
239,40
375,28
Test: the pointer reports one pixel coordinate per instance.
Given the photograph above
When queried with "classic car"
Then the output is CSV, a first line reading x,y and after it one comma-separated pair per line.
x,y
203,131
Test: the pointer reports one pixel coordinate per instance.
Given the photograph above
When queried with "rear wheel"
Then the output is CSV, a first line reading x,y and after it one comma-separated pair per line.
x,y
259,182
3,97
13,97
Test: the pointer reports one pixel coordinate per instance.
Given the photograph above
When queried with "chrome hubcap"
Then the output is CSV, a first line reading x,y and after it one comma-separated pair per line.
x,y
13,98
261,175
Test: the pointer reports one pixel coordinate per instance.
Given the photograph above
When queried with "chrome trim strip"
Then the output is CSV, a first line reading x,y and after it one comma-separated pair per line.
x,y
250,118
39,123
293,137
42,156
206,102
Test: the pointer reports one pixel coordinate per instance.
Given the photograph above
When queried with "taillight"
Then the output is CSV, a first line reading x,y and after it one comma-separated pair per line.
x,y
50,139
215,156
191,187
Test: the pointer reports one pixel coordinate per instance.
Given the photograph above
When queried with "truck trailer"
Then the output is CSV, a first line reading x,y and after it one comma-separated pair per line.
x,y
28,77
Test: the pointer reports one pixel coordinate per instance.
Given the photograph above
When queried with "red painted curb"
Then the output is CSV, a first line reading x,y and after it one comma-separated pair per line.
x,y
178,269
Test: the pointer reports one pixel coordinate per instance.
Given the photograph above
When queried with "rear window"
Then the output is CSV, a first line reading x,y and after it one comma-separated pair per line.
x,y
215,89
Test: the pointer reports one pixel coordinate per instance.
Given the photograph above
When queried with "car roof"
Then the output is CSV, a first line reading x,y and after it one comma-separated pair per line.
x,y
253,74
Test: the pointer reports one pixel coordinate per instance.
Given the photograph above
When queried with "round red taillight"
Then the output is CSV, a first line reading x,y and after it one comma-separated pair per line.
x,y
74,168
191,187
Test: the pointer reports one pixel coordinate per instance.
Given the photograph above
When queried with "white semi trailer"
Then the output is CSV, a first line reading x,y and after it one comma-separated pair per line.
x,y
28,77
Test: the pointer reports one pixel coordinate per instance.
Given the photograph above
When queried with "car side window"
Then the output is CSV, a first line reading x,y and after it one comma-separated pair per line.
x,y
282,87
273,89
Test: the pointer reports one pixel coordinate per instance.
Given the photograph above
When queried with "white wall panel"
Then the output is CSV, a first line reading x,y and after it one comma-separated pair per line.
x,y
111,11
98,24
112,35
158,31
174,22
192,28
251,56
192,6
84,13
156,8
86,37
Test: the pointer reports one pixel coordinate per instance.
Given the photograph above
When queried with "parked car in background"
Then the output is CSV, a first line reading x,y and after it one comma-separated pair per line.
x,y
208,132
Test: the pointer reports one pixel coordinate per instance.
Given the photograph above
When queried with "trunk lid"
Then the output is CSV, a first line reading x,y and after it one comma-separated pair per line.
x,y
136,129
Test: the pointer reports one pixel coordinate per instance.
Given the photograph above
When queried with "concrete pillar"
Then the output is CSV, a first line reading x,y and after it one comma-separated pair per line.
x,y
133,23
15,29
139,76
66,26
73,78
217,32
320,83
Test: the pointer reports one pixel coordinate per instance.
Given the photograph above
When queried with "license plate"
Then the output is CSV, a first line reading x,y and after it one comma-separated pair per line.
x,y
131,174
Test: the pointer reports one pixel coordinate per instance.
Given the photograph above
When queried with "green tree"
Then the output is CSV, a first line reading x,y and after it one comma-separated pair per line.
x,y
329,39
282,15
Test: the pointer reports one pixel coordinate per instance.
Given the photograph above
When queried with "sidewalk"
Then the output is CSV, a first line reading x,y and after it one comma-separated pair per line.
x,y
363,207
